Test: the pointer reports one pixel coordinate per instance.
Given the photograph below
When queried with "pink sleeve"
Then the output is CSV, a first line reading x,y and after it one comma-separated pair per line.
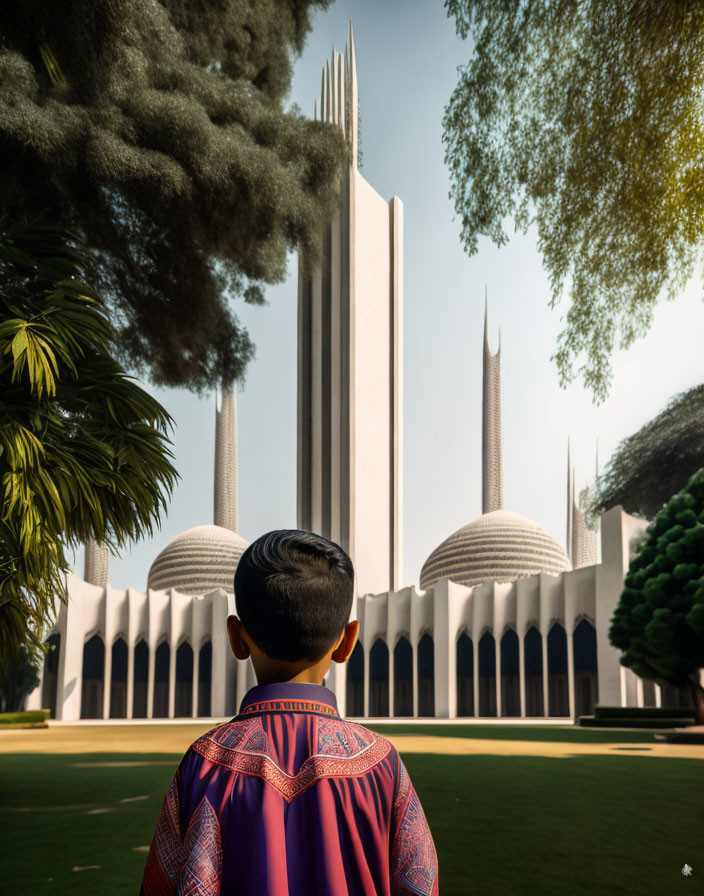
x,y
167,852
184,861
414,862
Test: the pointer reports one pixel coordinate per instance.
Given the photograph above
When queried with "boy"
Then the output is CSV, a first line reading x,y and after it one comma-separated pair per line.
x,y
288,799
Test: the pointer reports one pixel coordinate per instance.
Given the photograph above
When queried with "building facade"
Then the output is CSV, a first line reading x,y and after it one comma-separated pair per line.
x,y
350,364
506,622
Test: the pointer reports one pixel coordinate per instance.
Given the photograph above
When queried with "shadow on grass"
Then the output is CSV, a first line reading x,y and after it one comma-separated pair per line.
x,y
502,825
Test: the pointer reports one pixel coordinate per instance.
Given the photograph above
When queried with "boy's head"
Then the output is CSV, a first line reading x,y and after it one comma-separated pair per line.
x,y
293,593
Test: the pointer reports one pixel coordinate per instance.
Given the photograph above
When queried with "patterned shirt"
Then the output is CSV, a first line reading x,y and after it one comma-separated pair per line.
x,y
288,799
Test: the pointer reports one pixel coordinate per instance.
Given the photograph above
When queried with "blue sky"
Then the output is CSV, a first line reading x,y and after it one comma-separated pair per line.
x,y
407,55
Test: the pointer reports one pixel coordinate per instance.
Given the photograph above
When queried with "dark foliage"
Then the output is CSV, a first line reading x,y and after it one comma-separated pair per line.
x,y
659,621
654,463
83,448
156,132
17,680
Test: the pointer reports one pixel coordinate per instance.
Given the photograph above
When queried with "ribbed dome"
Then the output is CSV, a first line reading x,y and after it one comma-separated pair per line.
x,y
498,547
198,560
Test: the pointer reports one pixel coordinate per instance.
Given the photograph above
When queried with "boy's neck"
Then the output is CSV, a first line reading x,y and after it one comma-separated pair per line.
x,y
271,672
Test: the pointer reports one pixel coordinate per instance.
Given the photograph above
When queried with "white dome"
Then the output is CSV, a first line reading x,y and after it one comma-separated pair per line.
x,y
198,560
498,547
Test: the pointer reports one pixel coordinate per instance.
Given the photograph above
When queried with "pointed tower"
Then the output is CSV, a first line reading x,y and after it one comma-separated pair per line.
x,y
349,362
226,510
492,439
96,569
582,543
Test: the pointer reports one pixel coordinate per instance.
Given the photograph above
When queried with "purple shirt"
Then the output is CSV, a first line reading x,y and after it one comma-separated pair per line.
x,y
288,799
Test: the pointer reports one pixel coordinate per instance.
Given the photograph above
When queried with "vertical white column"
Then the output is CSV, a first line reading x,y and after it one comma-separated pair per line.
x,y
172,679
34,698
658,696
194,694
241,682
640,702
497,676
391,680
107,680
546,695
150,682
569,626
366,683
522,674
130,675
414,647
622,681
475,674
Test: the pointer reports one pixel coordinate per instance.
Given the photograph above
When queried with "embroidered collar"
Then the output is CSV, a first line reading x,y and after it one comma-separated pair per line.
x,y
289,696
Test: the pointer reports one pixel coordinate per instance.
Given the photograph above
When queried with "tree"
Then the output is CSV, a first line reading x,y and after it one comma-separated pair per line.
x,y
584,118
83,449
17,680
659,621
156,132
648,467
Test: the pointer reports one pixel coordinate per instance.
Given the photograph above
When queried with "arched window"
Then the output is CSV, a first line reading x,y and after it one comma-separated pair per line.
x,y
487,675
50,679
355,682
426,676
379,679
533,670
183,698
510,682
465,675
118,680
93,678
141,680
161,681
585,671
205,672
558,698
403,678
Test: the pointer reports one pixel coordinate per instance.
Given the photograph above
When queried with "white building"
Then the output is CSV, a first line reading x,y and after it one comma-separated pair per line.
x,y
507,624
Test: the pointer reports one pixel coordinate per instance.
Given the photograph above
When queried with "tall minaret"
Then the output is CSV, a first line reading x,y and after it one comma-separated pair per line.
x,y
225,492
96,568
492,441
582,542
349,361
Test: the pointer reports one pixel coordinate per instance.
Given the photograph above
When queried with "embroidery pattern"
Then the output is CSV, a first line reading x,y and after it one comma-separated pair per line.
x,y
201,874
413,858
167,853
344,750
341,739
291,705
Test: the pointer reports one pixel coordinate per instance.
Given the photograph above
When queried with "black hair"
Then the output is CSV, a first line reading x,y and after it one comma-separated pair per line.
x,y
293,593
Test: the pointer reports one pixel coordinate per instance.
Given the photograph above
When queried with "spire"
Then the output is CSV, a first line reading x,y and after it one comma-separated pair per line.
x,y
492,440
583,542
596,470
96,568
351,98
226,491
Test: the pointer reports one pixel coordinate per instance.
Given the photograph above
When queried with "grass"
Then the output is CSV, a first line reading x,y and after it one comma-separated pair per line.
x,y
552,734
29,719
502,825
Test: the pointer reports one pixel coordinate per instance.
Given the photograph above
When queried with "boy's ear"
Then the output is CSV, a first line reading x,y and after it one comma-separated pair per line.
x,y
349,638
239,646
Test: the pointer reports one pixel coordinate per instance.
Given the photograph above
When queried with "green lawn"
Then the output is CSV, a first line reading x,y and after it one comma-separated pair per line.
x,y
555,734
502,825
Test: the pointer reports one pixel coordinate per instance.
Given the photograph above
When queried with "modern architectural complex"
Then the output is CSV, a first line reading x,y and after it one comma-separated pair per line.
x,y
505,624
349,362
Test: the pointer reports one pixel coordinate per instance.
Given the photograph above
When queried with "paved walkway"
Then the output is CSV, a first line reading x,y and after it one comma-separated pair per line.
x,y
176,738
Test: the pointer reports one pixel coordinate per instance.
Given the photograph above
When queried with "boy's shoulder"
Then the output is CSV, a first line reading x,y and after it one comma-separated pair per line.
x,y
339,747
